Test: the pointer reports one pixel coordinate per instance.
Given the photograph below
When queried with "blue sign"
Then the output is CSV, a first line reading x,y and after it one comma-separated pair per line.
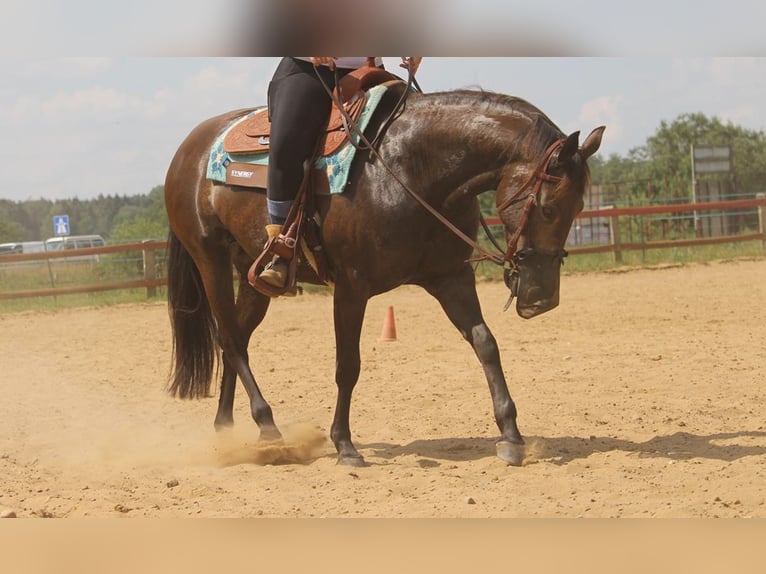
x,y
60,225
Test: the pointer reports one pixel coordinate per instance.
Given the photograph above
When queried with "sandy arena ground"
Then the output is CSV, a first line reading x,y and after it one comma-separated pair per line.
x,y
642,395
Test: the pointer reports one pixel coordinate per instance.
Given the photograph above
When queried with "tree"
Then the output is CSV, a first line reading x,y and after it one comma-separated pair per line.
x,y
661,168
669,151
10,231
138,229
147,222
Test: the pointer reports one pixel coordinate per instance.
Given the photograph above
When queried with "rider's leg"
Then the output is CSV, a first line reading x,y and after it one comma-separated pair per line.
x,y
298,108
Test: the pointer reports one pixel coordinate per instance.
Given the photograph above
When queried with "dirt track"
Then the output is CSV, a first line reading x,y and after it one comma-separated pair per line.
x,y
641,395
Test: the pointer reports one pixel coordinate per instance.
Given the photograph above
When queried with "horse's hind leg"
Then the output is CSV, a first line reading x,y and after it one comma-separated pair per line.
x,y
218,287
224,417
457,296
349,306
251,309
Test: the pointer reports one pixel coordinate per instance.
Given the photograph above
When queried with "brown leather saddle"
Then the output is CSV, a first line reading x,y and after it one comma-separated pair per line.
x,y
252,135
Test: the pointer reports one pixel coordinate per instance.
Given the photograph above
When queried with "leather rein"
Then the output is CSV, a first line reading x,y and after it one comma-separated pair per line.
x,y
536,180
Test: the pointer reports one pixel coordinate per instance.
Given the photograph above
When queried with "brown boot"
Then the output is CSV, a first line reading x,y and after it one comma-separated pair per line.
x,y
275,273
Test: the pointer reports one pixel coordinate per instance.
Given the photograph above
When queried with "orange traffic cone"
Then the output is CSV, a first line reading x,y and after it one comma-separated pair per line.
x,y
389,326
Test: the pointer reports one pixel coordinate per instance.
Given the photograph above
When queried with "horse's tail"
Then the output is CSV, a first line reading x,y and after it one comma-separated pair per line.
x,y
195,349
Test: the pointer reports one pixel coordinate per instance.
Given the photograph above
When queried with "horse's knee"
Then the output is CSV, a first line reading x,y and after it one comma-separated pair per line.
x,y
347,373
484,343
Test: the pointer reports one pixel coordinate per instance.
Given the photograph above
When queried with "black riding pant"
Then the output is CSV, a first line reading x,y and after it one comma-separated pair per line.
x,y
299,108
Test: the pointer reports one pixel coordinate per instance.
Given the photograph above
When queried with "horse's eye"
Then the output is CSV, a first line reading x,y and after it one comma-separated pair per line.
x,y
548,212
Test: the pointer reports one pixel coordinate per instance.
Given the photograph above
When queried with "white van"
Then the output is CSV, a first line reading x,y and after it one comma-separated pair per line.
x,y
75,242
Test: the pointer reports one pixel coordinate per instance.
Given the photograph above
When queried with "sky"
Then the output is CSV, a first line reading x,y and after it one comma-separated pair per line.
x,y
80,127
96,97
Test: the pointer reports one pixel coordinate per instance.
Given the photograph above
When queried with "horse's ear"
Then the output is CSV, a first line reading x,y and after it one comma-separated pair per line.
x,y
569,148
592,142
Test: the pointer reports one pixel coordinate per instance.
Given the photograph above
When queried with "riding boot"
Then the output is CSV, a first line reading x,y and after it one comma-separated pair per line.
x,y
275,273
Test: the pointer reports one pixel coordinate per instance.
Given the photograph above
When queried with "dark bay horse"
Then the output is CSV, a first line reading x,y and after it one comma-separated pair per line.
x,y
446,147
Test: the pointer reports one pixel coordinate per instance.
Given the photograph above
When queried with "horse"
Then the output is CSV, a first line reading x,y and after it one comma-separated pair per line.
x,y
445,148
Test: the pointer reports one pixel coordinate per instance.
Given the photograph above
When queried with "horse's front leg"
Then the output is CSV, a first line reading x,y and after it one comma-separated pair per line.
x,y
457,296
350,302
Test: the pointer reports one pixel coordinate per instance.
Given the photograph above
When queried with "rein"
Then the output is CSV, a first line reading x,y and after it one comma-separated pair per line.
x,y
538,177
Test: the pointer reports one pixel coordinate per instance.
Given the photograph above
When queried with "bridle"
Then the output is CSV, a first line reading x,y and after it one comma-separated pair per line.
x,y
539,176
536,180
513,256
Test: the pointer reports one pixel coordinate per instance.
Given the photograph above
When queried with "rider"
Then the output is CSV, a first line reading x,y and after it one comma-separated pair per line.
x,y
299,108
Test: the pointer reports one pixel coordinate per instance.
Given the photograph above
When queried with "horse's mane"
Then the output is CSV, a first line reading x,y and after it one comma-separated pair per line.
x,y
541,129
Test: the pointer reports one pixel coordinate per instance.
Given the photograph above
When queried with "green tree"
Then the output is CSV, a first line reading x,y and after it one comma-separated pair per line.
x,y
138,229
147,222
10,231
668,152
661,168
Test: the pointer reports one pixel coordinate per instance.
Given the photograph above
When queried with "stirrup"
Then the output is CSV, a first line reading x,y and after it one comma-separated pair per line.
x,y
276,278
289,289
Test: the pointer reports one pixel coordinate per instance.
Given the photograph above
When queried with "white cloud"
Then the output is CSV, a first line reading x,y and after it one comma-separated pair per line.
x,y
742,114
23,107
93,100
604,110
82,66
216,78
738,72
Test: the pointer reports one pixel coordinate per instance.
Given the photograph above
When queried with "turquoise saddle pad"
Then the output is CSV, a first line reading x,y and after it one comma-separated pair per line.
x,y
336,165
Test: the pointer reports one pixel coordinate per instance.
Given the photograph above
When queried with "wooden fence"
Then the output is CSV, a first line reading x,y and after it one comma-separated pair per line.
x,y
617,246
152,278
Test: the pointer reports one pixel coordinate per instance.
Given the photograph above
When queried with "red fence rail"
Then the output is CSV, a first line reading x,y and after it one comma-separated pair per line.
x,y
151,279
617,246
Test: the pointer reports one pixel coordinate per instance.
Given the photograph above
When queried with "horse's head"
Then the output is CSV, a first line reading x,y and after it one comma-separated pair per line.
x,y
537,202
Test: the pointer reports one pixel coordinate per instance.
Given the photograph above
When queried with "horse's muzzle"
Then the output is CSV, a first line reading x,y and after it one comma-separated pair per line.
x,y
534,281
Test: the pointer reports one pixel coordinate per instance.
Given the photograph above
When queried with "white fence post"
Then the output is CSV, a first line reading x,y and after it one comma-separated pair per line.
x,y
761,220
150,270
614,234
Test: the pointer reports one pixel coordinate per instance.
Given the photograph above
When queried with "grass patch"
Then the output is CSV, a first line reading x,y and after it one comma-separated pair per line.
x,y
108,270
593,262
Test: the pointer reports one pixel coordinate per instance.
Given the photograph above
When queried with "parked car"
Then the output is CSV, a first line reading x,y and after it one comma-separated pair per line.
x,y
22,247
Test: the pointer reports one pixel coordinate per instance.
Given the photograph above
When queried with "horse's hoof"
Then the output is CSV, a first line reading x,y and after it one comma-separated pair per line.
x,y
510,453
270,434
223,424
352,460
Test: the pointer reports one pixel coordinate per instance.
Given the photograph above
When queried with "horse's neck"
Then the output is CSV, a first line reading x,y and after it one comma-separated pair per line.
x,y
458,147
